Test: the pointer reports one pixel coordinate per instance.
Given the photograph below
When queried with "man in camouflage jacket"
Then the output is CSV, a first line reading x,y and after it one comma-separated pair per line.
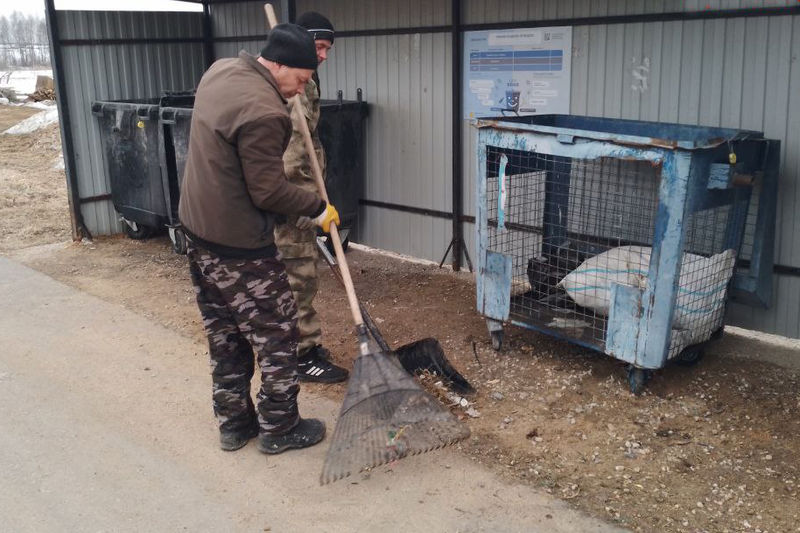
x,y
296,239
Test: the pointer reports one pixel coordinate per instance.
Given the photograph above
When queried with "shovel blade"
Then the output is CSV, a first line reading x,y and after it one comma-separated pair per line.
x,y
428,354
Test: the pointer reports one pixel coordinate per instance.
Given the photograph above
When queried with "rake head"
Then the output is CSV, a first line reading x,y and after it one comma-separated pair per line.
x,y
386,416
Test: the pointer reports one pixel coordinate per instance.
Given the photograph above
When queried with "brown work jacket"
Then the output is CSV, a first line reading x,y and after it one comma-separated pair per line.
x,y
234,183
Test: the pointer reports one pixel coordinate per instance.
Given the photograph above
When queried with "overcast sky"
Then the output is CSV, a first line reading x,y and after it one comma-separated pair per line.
x,y
36,7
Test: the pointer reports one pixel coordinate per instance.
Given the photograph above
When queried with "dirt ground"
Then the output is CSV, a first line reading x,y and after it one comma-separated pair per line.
x,y
708,448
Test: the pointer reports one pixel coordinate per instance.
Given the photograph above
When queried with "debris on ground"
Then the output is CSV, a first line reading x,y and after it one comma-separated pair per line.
x,y
713,447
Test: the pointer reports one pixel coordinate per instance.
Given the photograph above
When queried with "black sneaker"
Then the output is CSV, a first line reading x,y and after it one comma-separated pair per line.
x,y
308,432
233,440
314,367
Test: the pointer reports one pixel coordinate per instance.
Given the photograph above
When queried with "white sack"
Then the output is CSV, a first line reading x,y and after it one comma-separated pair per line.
x,y
702,287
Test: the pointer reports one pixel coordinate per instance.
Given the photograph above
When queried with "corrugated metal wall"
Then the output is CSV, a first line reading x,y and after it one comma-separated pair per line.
x,y
239,19
406,81
738,72
734,72
115,72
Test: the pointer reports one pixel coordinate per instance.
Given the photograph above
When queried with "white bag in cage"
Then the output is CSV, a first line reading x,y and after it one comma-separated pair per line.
x,y
702,288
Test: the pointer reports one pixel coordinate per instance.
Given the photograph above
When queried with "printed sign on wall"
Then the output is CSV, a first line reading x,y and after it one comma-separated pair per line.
x,y
517,72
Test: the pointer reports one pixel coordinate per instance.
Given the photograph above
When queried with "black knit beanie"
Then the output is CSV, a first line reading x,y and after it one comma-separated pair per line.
x,y
317,25
291,45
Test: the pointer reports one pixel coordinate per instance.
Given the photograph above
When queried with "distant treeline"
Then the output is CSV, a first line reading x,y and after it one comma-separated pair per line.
x,y
23,41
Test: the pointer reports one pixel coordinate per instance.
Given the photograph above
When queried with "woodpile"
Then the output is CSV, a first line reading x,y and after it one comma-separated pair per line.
x,y
40,95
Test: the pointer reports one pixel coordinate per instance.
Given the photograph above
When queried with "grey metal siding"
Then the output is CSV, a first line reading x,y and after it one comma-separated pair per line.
x,y
117,71
239,19
739,72
406,81
352,15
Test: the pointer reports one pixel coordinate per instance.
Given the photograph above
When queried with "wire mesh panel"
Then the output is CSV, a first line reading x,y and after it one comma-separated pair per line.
x,y
551,214
575,227
706,270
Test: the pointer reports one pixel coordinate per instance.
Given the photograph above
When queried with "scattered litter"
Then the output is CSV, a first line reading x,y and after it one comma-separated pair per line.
x,y
496,396
473,413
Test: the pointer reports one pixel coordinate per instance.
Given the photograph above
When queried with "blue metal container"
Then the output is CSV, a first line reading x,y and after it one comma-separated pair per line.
x,y
626,237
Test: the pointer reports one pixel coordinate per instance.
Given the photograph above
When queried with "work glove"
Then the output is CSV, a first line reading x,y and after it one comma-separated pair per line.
x,y
304,223
326,217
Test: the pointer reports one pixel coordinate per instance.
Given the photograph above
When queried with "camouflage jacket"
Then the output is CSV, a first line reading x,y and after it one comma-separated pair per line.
x,y
295,159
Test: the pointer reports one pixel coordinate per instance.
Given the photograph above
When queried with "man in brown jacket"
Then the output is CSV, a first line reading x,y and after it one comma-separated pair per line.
x,y
234,188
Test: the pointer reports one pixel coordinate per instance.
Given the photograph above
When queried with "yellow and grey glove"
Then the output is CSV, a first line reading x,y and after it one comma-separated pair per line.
x,y
325,218
304,223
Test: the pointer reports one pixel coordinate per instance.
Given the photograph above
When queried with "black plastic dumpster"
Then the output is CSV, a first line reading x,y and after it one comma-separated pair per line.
x,y
175,118
131,145
341,131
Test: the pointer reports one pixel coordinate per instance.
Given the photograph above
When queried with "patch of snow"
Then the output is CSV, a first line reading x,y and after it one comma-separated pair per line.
x,y
34,123
3,101
44,104
58,162
22,81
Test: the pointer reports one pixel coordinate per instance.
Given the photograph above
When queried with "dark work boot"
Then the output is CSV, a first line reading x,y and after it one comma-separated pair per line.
x,y
313,366
307,433
233,440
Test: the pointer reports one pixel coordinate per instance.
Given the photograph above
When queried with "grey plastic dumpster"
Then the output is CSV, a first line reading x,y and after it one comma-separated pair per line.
x,y
341,131
175,118
131,146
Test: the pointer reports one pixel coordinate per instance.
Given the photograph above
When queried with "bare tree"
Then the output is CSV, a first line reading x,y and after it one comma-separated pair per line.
x,y
23,41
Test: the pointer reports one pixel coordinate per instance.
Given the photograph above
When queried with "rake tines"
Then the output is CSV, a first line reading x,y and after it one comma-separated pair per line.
x,y
386,416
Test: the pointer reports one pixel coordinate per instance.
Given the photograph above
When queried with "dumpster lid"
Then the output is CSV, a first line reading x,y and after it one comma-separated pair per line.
x,y
622,131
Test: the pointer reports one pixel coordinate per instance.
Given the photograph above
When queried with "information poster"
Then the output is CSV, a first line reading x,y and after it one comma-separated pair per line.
x,y
517,72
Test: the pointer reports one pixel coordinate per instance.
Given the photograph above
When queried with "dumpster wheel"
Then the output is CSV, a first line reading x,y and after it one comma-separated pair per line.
x,y
136,231
497,340
690,356
638,378
179,242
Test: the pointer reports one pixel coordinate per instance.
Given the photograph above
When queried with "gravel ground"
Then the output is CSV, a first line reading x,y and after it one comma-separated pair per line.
x,y
708,448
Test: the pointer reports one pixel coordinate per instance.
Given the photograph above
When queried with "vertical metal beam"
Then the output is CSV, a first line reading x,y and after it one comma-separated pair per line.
x,y
458,178
79,230
660,294
208,36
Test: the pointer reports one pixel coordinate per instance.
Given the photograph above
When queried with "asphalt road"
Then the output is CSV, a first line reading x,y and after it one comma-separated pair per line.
x,y
106,425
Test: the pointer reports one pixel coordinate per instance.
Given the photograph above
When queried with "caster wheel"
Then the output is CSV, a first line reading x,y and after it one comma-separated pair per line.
x,y
690,356
179,242
136,231
638,378
497,340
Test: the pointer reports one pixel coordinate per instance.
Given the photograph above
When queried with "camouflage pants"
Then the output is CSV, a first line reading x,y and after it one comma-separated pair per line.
x,y
299,251
247,306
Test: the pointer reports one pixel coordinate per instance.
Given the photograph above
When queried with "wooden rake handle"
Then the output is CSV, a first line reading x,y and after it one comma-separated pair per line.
x,y
316,170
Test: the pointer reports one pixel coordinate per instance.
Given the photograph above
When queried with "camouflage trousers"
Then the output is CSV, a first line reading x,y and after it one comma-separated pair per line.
x,y
247,306
299,252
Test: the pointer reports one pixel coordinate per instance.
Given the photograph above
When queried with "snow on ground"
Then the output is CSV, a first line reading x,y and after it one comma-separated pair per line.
x,y
22,81
35,122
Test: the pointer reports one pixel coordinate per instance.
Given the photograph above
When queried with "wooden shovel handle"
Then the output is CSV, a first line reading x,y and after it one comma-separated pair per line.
x,y
300,120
